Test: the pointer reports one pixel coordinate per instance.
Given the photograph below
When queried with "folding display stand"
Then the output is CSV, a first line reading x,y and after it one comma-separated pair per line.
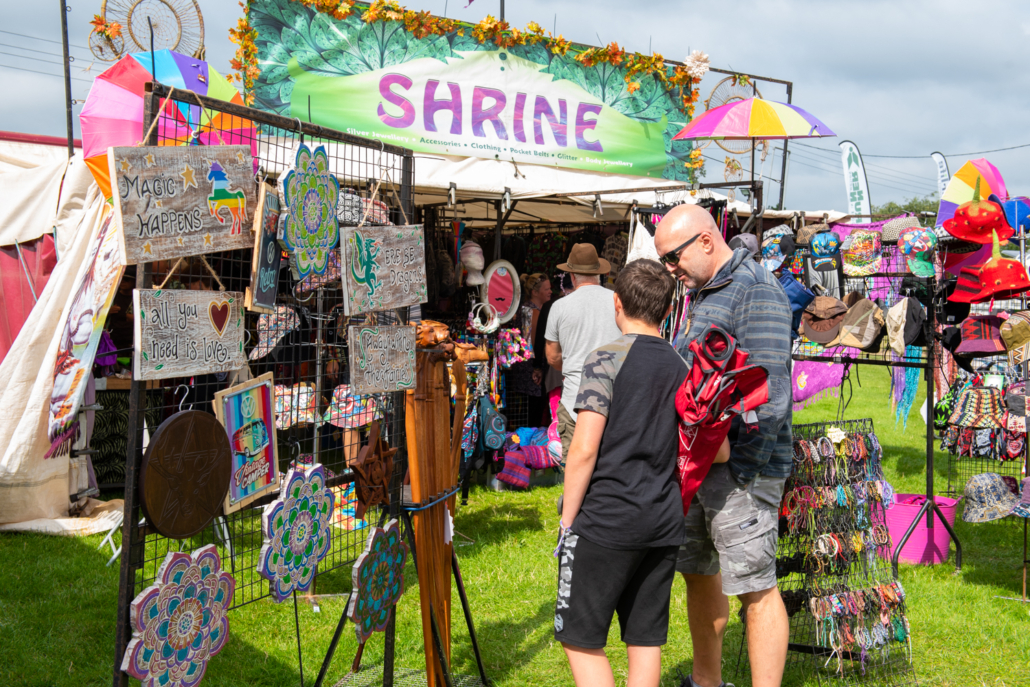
x,y
804,636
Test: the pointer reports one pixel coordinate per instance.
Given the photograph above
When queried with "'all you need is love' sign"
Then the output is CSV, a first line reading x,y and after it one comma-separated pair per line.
x,y
179,333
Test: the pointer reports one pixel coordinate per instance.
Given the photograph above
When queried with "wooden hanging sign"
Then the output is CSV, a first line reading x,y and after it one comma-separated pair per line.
x,y
382,358
176,201
264,268
179,333
383,267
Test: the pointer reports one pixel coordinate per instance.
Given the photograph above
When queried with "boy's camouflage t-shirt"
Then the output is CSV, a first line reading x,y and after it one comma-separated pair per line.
x,y
633,500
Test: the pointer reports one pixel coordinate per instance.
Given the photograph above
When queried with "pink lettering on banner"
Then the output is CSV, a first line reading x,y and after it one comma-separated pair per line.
x,y
407,117
430,106
519,127
559,125
492,114
583,125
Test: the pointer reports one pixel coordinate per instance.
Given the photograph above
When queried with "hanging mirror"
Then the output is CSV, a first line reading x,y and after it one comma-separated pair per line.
x,y
501,289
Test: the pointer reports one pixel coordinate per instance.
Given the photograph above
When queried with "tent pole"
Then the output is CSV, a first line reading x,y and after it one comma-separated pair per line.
x,y
68,79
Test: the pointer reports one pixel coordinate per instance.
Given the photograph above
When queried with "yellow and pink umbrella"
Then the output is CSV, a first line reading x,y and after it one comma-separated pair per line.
x,y
113,112
754,118
962,184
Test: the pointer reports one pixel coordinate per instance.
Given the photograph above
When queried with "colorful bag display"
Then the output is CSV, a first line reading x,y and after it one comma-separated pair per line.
x,y
350,411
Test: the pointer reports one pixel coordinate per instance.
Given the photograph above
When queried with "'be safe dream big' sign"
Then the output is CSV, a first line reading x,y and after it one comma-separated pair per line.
x,y
181,333
176,201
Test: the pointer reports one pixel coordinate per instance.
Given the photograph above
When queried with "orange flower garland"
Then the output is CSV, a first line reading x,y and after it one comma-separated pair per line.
x,y
502,34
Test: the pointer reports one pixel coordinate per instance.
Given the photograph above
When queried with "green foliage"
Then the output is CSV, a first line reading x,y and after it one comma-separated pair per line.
x,y
925,204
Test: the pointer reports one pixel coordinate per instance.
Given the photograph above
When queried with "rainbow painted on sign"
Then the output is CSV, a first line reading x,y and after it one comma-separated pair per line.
x,y
248,417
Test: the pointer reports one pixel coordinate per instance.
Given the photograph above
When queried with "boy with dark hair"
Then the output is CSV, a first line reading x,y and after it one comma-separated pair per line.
x,y
622,515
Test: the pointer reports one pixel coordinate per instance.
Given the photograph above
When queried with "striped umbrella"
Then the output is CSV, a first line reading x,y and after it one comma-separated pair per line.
x,y
113,112
961,187
754,118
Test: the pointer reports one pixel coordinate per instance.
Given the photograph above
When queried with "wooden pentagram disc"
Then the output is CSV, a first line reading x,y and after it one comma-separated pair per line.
x,y
185,474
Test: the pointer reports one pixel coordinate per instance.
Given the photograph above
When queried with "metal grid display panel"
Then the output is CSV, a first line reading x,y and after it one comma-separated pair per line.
x,y
315,352
803,575
887,288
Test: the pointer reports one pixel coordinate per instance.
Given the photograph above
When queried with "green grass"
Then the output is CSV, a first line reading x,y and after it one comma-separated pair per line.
x,y
58,601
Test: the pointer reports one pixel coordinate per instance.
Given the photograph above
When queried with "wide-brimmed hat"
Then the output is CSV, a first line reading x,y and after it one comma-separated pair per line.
x,y
981,336
821,319
272,327
893,229
1017,210
918,245
999,278
988,498
862,327
979,407
862,254
583,260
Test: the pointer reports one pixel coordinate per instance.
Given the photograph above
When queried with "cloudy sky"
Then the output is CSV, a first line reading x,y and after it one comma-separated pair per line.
x,y
897,78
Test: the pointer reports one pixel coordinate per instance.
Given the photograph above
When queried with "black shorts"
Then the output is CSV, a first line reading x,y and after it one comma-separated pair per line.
x,y
594,582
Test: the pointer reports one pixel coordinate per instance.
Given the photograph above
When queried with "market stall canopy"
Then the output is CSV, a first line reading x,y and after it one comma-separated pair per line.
x,y
113,112
25,151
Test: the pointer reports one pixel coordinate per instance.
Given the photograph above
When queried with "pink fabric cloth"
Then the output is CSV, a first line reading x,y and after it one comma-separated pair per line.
x,y
15,293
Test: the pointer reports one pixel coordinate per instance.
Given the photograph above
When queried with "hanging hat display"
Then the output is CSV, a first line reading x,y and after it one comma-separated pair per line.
x,y
976,220
1017,210
773,253
1015,332
894,228
998,278
826,252
988,498
918,245
808,232
862,327
905,324
862,254
981,336
821,319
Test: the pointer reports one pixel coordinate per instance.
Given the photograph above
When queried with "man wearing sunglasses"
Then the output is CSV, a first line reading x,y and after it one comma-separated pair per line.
x,y
731,526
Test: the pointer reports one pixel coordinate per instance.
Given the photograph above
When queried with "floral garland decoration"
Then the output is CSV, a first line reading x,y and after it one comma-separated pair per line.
x,y
106,29
683,78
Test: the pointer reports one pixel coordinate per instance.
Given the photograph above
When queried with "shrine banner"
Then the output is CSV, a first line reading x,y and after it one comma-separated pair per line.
x,y
450,94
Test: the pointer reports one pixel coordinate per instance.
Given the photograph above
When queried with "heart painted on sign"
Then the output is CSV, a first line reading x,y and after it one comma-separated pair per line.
x,y
218,311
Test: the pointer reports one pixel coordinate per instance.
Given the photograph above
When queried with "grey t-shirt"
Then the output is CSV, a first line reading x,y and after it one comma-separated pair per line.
x,y
580,323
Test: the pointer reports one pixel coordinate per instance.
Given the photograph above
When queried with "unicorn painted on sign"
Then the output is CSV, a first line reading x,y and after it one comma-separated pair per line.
x,y
222,197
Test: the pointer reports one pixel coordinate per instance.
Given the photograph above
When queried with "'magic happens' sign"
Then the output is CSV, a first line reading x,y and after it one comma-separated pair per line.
x,y
180,333
175,201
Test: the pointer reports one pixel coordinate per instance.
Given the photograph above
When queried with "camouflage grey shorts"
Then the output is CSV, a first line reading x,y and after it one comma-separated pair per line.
x,y
733,528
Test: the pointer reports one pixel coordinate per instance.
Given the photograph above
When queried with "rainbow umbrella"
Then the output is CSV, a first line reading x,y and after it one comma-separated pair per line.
x,y
960,188
113,112
754,118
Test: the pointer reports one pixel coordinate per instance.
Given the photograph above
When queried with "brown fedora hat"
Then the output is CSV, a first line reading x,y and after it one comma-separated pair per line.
x,y
583,260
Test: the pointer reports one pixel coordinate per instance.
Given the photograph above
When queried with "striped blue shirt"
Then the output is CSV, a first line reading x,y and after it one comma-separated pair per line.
x,y
745,300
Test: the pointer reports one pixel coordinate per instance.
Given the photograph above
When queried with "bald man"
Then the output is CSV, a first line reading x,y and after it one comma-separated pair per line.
x,y
731,526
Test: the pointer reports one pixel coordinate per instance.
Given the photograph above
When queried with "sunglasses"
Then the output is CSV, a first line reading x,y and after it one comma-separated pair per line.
x,y
673,256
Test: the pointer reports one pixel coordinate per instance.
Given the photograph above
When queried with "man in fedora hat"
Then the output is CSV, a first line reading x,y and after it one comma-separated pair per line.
x,y
578,324
731,526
